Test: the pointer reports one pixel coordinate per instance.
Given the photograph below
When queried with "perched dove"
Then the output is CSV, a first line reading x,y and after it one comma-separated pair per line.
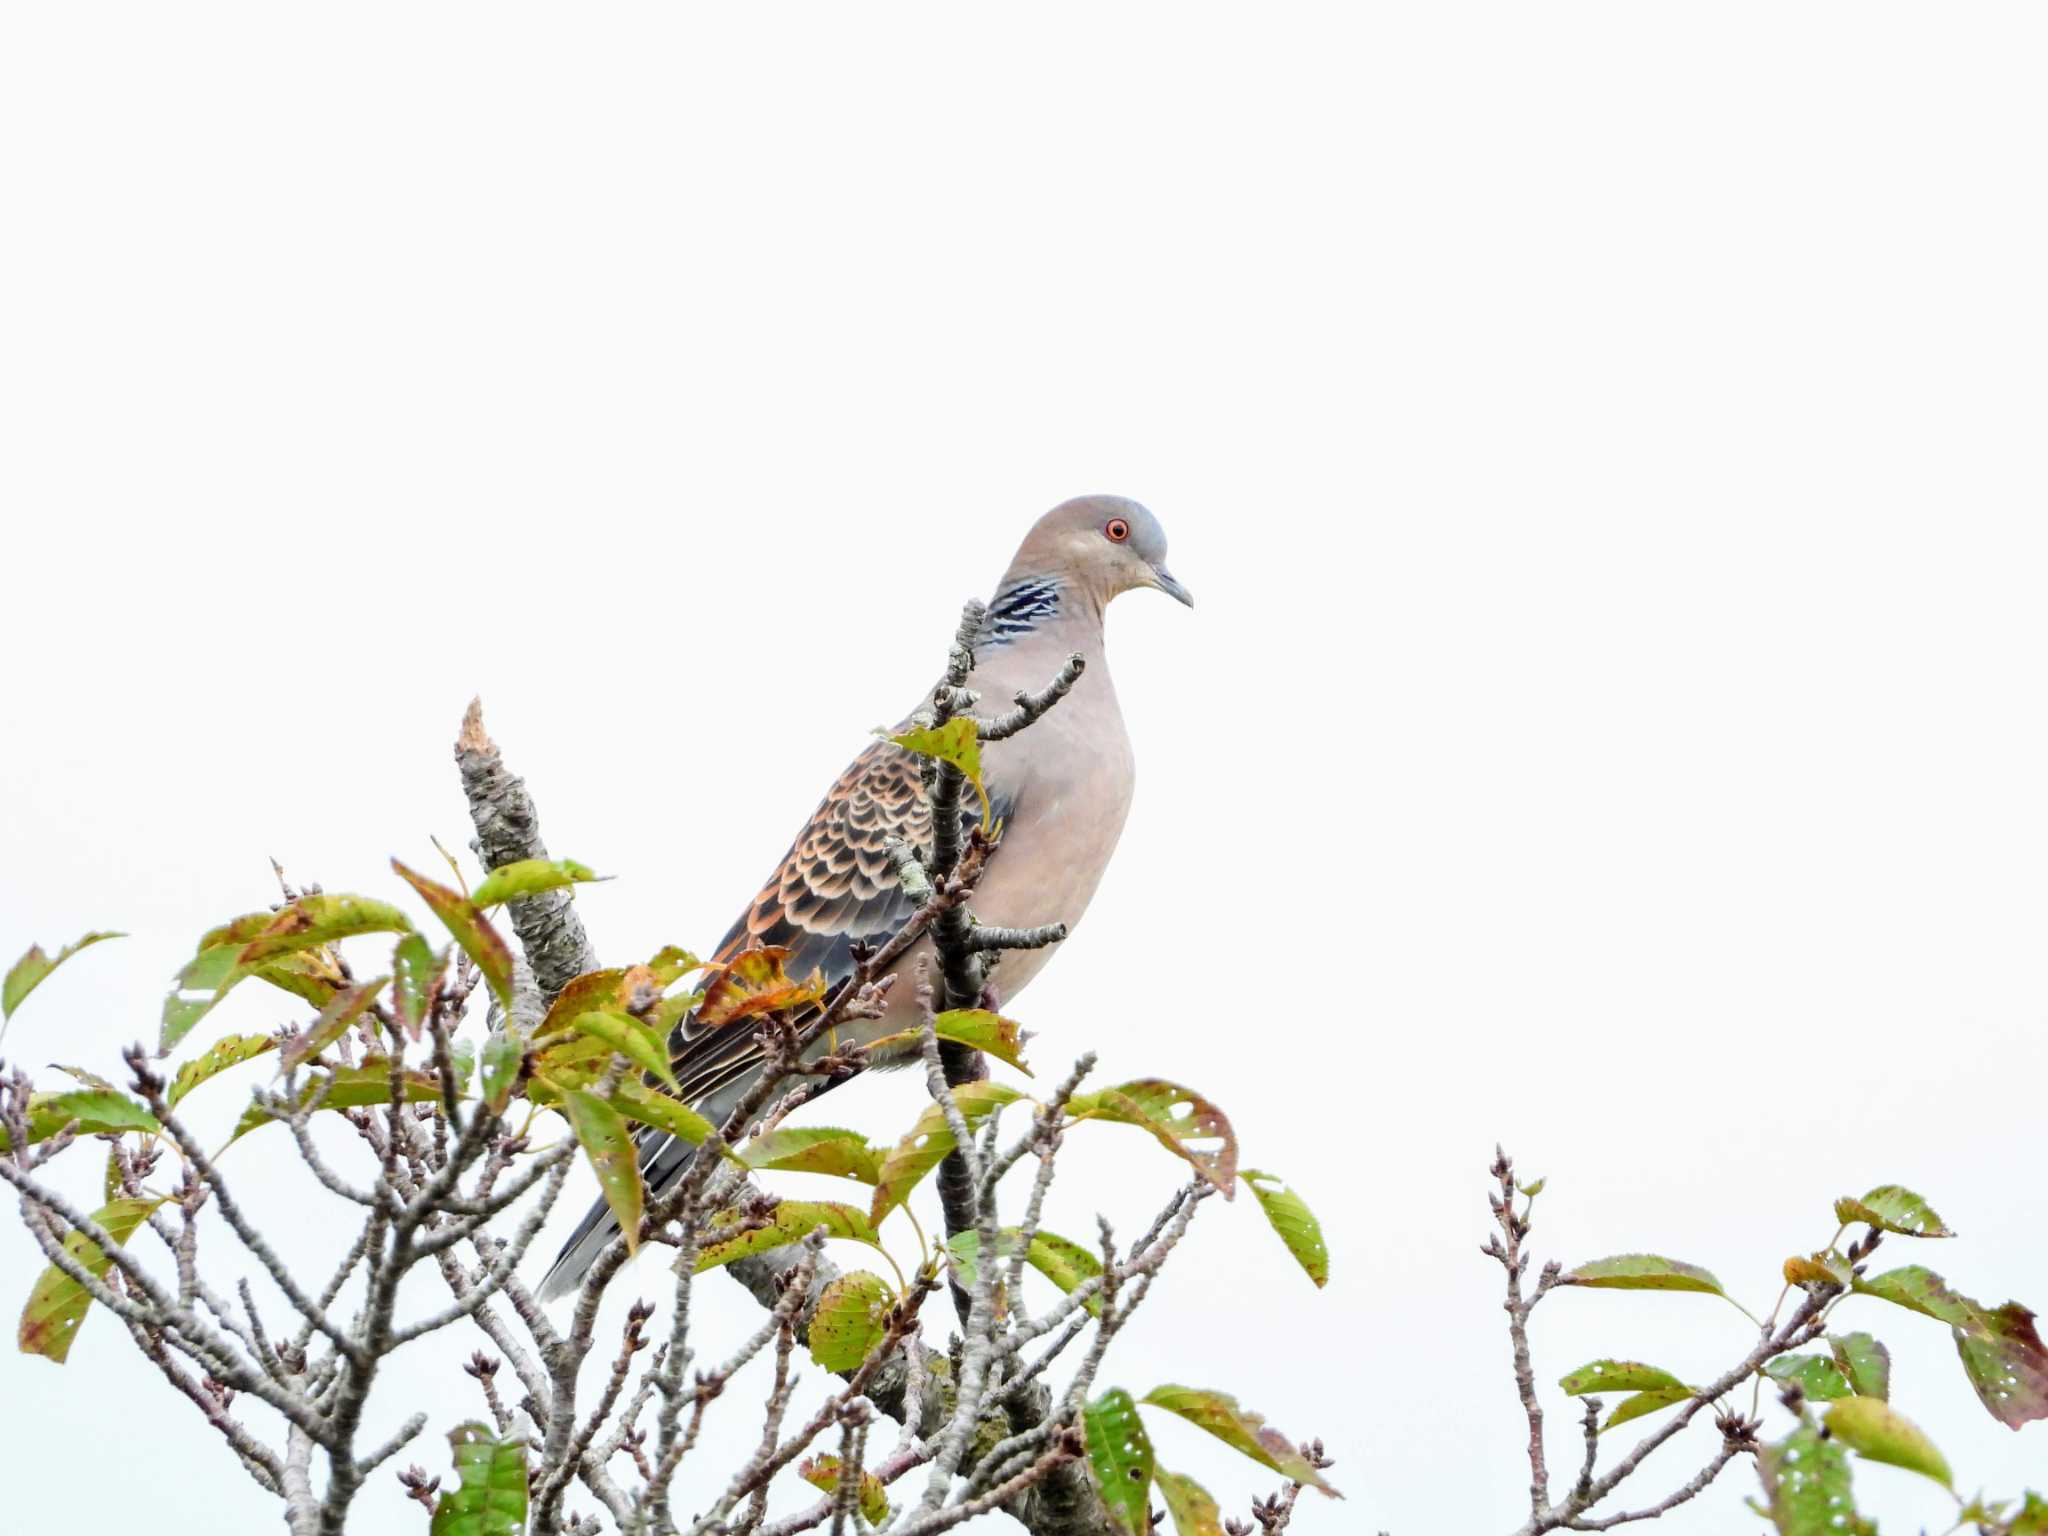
x,y
1062,789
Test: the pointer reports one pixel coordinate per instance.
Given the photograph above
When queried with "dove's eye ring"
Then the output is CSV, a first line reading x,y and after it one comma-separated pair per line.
x,y
1116,530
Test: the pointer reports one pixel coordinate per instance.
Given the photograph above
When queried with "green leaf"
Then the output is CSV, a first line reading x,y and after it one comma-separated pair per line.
x,y
529,877
626,1035
958,742
672,963
822,1473
1120,1459
462,1063
638,1102
490,1496
1060,1259
815,1149
1877,1431
418,972
1618,1376
977,1028
1239,1428
851,1319
98,1111
2032,1520
1864,1361
357,1087
2001,1353
216,968
313,921
228,1051
503,1052
1194,1512
1806,1479
459,915
1184,1122
1643,1272
609,1146
1816,1375
1293,1220
57,1306
30,970
788,1221
335,1021
1893,1208
1642,1403
930,1140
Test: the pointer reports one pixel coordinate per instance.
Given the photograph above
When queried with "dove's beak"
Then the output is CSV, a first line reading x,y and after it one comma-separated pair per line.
x,y
1166,582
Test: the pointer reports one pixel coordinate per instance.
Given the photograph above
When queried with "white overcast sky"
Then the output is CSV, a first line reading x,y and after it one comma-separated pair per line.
x,y
1605,441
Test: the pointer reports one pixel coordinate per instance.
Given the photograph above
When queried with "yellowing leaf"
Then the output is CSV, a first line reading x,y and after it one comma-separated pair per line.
x,y
975,1027
1184,1122
335,1020
1187,1501
1877,1431
1643,1272
734,1236
57,1306
312,921
529,877
957,742
822,1473
930,1140
1241,1429
626,1035
815,1149
753,984
1893,1208
357,1087
1618,1376
228,1051
851,1319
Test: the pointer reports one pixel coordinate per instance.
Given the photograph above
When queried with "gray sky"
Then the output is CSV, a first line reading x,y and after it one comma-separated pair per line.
x,y
1605,443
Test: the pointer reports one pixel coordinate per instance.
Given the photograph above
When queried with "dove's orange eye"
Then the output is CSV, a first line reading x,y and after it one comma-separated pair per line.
x,y
1117,530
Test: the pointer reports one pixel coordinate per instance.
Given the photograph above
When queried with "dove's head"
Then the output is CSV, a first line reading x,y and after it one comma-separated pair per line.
x,y
1104,544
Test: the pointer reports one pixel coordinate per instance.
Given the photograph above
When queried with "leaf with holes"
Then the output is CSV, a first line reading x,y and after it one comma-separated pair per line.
x,y
1120,1459
228,1051
1865,1362
918,1153
1643,1272
609,1146
2001,1353
823,1149
335,1020
1194,1512
479,940
672,963
1060,1259
754,983
1877,1431
97,1111
977,1028
1635,1407
29,971
1241,1429
851,1319
1618,1376
529,877
787,1221
822,1473
1184,1122
357,1087
489,1498
1290,1216
1806,1481
1893,1208
58,1304
957,742
1816,1375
